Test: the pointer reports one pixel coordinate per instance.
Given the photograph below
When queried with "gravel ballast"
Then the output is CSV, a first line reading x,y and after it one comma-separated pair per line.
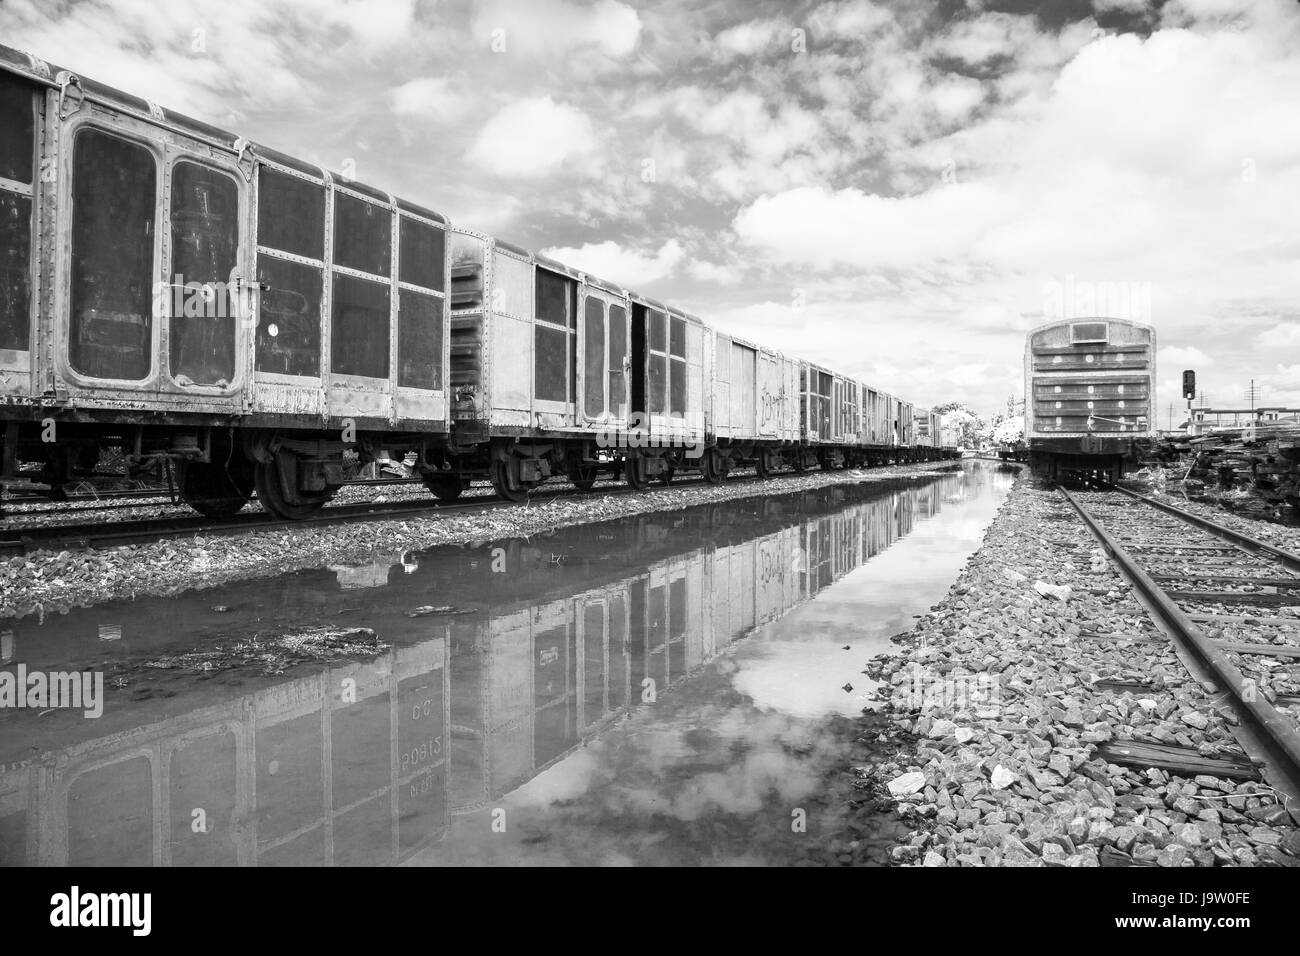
x,y
995,712
48,581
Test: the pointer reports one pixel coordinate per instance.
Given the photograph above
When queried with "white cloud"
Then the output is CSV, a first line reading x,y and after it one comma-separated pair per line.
x,y
1187,356
614,263
428,98
533,138
822,228
755,36
537,28
1283,336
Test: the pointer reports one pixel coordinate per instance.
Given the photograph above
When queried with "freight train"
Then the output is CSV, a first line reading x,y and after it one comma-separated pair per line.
x,y
371,762
1089,394
182,296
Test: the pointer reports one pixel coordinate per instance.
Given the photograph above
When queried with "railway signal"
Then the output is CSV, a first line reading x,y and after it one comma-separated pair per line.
x,y
1189,384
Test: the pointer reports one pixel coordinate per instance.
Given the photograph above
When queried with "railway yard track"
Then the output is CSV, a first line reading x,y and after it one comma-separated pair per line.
x,y
1229,604
102,534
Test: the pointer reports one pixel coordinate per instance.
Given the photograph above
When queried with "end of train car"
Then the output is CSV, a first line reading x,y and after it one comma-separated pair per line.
x,y
1089,388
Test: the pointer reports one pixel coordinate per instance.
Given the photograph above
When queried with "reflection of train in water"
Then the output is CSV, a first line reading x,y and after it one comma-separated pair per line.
x,y
365,763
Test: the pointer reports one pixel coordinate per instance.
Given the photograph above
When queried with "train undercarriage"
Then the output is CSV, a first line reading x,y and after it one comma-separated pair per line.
x,y
294,472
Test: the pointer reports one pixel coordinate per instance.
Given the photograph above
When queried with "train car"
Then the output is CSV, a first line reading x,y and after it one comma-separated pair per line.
x,y
1089,389
754,413
555,372
184,295
195,303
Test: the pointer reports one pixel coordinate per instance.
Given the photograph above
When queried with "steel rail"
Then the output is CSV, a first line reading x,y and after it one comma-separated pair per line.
x,y
1277,732
1288,559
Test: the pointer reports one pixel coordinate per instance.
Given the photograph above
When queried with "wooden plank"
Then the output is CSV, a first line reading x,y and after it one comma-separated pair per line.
x,y
1231,579
1267,650
1183,761
1123,686
1236,597
1135,638
1173,548
1245,619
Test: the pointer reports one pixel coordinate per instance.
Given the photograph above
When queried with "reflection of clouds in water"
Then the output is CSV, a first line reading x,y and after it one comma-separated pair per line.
x,y
743,760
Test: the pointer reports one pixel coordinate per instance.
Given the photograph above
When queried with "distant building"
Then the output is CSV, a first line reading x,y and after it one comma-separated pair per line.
x,y
1206,420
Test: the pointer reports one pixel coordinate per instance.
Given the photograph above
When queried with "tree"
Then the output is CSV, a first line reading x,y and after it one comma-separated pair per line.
x,y
969,427
1009,431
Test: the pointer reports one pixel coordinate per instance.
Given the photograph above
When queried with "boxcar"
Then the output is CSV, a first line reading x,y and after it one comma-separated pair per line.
x,y
188,296
1089,389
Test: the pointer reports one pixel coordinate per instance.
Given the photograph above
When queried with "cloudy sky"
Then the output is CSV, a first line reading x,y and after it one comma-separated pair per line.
x,y
897,189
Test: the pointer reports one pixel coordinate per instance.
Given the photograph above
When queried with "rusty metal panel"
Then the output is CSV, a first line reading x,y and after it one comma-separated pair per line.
x,y
286,397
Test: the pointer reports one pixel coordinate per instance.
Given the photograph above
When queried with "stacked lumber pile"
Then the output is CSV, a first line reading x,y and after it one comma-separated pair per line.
x,y
1252,470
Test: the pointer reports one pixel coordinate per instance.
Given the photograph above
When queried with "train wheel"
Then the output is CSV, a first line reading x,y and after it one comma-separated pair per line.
x,y
634,472
445,487
212,489
269,480
762,465
666,476
714,466
506,480
584,477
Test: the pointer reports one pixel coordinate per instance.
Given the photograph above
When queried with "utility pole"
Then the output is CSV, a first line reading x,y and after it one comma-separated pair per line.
x,y
1251,395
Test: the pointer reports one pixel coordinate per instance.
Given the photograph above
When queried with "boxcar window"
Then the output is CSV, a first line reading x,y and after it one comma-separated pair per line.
x,y
677,387
288,333
15,270
114,186
617,353
658,332
359,328
17,119
419,340
363,235
17,151
553,295
594,358
423,251
550,370
205,244
290,214
658,384
677,342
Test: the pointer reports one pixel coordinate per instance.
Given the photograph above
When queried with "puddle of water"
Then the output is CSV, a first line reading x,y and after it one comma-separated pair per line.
x,y
664,689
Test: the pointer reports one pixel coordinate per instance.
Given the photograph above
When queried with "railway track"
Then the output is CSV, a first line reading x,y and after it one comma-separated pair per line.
x,y
133,498
1197,578
116,534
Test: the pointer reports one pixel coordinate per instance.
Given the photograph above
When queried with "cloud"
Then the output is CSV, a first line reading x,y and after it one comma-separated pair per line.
x,y
1283,336
533,138
614,263
429,98
1187,356
822,228
537,28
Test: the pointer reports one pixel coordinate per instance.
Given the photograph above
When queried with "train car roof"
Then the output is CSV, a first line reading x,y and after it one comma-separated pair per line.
x,y
35,69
